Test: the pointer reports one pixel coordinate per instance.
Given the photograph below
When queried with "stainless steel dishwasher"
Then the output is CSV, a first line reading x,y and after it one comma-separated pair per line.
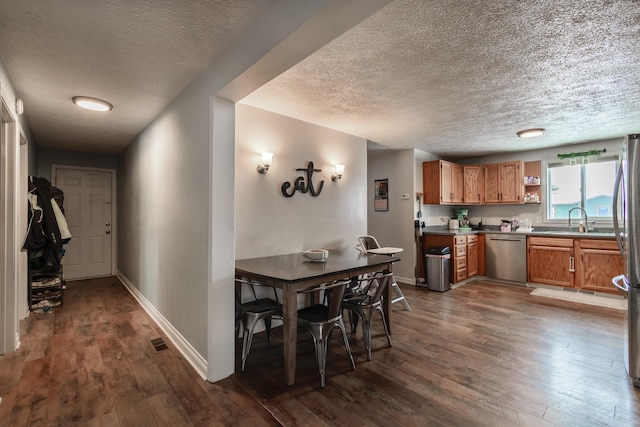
x,y
506,257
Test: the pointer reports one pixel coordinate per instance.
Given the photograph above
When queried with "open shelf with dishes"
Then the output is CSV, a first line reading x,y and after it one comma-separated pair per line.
x,y
532,182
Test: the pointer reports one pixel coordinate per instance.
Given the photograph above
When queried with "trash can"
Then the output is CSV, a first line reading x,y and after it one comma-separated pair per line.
x,y
437,275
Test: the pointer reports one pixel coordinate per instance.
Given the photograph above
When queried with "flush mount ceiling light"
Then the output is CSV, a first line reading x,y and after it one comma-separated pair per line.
x,y
530,133
93,104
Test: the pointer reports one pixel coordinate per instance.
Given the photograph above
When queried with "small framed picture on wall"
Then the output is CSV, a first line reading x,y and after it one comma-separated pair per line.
x,y
381,195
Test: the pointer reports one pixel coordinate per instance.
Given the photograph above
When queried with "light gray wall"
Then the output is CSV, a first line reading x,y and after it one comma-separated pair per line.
x,y
163,213
394,227
46,157
176,199
267,223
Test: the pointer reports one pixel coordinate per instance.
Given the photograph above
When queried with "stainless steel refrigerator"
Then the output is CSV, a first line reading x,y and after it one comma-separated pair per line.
x,y
626,224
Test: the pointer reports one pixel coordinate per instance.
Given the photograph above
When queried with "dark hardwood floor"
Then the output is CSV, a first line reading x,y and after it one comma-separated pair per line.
x,y
484,354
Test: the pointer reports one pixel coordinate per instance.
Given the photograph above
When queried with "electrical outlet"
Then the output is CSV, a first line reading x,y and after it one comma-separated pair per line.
x,y
405,196
538,220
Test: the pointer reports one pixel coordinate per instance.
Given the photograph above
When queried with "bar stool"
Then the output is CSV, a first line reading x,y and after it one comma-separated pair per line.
x,y
369,245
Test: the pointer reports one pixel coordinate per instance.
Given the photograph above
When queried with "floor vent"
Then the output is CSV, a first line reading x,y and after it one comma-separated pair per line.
x,y
159,344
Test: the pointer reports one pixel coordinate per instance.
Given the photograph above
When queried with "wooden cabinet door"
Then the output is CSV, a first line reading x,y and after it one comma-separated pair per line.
x,y
492,183
457,184
446,184
599,262
473,185
511,182
472,259
551,265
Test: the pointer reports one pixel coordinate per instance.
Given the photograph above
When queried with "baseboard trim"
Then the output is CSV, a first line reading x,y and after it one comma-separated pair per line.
x,y
193,357
405,280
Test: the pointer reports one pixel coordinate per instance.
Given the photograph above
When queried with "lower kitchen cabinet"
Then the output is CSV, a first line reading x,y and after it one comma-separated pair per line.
x,y
472,255
460,258
464,253
598,262
551,261
585,264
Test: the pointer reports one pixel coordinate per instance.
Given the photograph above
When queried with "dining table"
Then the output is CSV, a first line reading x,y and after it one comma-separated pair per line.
x,y
293,272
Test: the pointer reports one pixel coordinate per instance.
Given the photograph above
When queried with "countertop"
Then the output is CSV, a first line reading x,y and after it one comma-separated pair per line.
x,y
542,232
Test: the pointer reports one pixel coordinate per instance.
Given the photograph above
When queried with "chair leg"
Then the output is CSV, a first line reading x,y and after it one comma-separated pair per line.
x,y
247,338
366,331
386,329
246,346
267,326
320,342
353,321
340,324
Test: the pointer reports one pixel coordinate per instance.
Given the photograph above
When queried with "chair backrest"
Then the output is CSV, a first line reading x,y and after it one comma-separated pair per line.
x,y
252,285
335,292
335,300
382,281
367,243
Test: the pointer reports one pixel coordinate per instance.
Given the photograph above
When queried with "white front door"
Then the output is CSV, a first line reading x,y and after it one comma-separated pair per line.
x,y
88,211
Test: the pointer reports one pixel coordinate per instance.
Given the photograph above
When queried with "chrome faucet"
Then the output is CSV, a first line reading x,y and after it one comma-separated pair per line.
x,y
586,222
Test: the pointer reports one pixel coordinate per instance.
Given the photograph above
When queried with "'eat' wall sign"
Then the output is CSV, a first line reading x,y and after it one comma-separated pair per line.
x,y
301,185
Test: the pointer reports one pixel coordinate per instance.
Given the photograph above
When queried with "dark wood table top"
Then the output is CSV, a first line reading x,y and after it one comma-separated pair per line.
x,y
294,267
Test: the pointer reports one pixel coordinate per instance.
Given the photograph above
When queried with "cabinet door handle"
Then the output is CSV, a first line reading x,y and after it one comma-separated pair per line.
x,y
572,264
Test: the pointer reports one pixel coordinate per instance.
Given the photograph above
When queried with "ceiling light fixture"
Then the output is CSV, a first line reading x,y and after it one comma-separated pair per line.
x,y
530,133
93,104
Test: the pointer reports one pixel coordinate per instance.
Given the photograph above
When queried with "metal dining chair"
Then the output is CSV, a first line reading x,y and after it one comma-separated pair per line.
x,y
364,299
249,313
369,244
320,319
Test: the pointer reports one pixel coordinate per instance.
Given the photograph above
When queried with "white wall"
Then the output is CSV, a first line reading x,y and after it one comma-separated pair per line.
x,y
13,190
268,223
176,199
395,227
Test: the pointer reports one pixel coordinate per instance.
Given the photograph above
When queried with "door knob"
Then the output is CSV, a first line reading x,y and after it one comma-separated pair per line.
x,y
108,231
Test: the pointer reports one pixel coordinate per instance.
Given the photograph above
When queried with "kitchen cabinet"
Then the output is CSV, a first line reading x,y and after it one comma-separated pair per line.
x,y
472,255
472,184
465,253
460,258
582,263
442,183
598,261
551,261
503,182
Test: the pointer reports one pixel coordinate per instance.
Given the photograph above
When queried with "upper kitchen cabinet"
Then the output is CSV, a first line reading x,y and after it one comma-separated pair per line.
x,y
473,189
442,183
503,182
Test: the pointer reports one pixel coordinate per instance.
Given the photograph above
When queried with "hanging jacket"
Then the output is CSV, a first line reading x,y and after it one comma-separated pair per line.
x,y
47,230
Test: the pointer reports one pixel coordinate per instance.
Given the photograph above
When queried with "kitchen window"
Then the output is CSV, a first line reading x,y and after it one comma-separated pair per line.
x,y
588,186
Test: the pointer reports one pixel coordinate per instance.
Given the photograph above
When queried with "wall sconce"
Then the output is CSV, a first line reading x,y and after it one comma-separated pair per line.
x,y
338,175
266,162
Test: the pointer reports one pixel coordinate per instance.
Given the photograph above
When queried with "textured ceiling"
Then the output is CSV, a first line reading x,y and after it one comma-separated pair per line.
x,y
136,54
460,78
452,78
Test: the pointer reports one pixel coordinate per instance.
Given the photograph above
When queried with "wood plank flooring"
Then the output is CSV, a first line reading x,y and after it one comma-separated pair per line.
x,y
485,354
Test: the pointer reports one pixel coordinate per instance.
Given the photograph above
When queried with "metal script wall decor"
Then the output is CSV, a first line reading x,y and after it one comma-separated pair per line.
x,y
300,185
